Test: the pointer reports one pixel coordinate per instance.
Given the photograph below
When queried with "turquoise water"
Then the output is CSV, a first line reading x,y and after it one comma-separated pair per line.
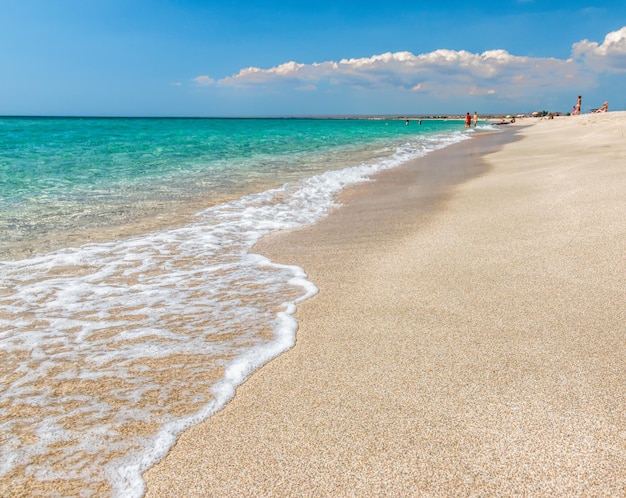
x,y
110,346
73,174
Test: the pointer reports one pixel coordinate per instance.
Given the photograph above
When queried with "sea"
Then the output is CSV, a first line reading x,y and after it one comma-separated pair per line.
x,y
132,302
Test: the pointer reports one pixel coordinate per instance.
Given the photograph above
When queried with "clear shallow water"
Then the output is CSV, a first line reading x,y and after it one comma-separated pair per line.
x,y
68,175
110,349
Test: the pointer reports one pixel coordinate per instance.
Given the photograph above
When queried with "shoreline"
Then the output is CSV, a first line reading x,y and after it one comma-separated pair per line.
x,y
186,313
470,341
107,217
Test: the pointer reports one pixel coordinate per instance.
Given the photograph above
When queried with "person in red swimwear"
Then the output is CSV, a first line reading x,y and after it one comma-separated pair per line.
x,y
468,120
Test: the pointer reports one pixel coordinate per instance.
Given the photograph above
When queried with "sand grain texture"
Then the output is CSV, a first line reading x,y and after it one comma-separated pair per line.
x,y
468,338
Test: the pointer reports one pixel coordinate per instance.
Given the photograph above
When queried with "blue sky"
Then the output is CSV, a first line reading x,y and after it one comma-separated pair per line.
x,y
272,57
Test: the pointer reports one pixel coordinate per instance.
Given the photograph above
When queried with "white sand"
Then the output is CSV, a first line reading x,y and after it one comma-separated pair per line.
x,y
470,342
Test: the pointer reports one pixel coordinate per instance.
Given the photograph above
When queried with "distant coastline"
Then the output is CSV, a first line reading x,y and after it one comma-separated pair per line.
x,y
312,116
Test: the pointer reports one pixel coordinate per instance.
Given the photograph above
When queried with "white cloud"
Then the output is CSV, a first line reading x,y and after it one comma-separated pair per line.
x,y
204,80
444,73
608,56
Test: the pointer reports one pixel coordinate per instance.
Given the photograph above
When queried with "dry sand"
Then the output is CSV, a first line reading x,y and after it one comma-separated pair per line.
x,y
468,338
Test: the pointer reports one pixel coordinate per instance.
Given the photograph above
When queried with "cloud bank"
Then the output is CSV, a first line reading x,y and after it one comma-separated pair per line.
x,y
444,72
609,56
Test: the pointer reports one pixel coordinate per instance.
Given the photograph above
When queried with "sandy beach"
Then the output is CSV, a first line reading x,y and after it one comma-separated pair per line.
x,y
468,337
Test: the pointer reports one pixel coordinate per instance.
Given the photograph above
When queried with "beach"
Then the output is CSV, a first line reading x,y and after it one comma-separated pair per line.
x,y
468,337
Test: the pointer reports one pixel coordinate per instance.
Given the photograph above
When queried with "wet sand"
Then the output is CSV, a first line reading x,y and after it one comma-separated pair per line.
x,y
468,339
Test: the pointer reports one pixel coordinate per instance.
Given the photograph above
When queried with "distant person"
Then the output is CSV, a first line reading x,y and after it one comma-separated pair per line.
x,y
604,108
475,119
578,106
407,122
468,120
